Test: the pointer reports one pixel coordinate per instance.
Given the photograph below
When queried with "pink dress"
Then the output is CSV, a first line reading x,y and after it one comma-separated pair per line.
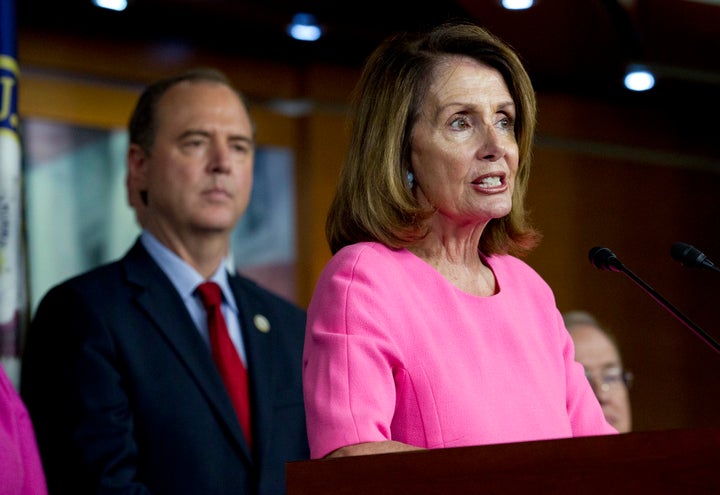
x,y
393,351
21,471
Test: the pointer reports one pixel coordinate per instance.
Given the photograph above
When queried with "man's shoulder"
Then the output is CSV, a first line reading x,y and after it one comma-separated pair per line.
x,y
104,280
102,274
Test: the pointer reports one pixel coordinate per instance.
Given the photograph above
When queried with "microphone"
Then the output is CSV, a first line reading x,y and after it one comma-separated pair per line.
x,y
690,256
604,259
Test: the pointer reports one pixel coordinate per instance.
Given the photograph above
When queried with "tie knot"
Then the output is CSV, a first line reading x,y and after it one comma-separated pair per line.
x,y
210,294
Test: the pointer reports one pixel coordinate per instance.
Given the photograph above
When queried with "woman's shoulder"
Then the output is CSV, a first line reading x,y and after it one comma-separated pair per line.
x,y
366,246
363,272
368,252
368,259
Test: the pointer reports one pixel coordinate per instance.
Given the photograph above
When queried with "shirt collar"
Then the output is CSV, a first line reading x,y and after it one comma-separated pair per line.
x,y
184,277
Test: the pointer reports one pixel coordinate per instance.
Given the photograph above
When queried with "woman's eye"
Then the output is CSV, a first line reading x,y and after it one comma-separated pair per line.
x,y
506,123
460,123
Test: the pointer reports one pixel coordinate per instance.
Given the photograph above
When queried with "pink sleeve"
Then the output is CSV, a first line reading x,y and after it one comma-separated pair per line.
x,y
20,468
349,360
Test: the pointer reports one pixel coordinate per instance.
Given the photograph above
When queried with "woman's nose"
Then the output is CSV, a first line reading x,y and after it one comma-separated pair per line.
x,y
492,147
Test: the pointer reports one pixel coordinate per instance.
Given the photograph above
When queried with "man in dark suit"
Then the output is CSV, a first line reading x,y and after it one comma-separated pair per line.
x,y
118,373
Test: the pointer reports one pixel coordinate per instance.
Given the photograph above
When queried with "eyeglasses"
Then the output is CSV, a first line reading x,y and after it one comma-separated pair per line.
x,y
610,379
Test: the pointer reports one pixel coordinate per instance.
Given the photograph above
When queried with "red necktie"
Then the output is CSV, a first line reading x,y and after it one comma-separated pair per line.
x,y
226,357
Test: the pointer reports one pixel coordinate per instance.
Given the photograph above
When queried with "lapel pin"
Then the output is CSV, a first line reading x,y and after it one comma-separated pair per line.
x,y
261,323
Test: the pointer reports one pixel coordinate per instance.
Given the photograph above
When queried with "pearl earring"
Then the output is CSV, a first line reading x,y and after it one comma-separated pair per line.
x,y
410,179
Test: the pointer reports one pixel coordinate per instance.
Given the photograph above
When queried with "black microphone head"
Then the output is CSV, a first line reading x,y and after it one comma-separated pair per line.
x,y
604,259
687,255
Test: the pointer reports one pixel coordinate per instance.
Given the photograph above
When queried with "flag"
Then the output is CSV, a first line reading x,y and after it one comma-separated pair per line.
x,y
13,299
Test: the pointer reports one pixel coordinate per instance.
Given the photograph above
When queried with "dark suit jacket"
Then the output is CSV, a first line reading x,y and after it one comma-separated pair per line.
x,y
125,397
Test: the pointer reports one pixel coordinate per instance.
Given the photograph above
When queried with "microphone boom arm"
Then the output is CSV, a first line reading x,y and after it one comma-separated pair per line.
x,y
677,314
603,258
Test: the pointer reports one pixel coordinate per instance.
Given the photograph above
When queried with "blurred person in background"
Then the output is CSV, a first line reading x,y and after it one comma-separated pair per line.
x,y
597,350
132,371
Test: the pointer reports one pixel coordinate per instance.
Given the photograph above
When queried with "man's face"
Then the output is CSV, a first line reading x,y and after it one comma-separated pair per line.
x,y
601,360
198,175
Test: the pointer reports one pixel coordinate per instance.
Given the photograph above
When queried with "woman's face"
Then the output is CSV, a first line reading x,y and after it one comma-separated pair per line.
x,y
464,154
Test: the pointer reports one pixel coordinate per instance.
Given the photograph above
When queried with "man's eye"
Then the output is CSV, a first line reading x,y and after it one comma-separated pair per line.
x,y
193,143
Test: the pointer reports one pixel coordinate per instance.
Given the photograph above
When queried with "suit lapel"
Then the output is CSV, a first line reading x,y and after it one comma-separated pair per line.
x,y
165,308
258,338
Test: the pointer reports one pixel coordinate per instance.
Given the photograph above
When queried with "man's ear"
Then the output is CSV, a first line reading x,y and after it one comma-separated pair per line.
x,y
136,180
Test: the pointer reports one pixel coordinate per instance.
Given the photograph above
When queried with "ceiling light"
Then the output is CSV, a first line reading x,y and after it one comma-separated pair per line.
x,y
517,4
117,5
639,79
304,27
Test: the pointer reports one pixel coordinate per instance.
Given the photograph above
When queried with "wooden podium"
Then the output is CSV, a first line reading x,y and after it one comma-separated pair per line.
x,y
683,462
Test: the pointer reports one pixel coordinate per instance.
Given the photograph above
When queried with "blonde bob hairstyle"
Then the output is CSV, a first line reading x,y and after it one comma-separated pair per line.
x,y
373,201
